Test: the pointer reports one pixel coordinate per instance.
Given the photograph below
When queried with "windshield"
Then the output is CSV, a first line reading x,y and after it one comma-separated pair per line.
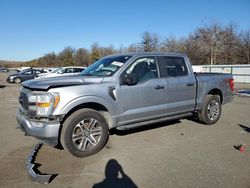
x,y
105,66
54,71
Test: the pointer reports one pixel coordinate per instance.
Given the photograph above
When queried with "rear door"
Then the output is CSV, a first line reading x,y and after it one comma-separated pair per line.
x,y
144,100
180,84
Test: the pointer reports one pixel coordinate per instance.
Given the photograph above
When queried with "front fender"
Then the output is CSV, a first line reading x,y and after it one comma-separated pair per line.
x,y
88,99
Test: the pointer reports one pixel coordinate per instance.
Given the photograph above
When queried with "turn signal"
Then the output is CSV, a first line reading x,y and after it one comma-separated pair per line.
x,y
43,104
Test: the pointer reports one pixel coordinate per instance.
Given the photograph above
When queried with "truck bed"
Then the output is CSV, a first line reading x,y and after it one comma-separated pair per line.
x,y
210,74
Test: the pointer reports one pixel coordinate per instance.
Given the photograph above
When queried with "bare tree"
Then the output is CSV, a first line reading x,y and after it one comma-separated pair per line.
x,y
208,44
98,52
48,60
67,56
170,44
82,57
149,42
244,47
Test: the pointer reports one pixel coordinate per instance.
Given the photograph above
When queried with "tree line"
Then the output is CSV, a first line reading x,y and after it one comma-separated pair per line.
x,y
209,44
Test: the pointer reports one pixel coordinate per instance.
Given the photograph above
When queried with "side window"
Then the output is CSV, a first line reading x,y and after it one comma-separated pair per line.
x,y
62,71
28,72
144,69
69,70
172,66
66,70
78,70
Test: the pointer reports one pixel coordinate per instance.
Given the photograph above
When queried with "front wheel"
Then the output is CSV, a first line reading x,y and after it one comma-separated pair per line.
x,y
211,110
17,80
84,133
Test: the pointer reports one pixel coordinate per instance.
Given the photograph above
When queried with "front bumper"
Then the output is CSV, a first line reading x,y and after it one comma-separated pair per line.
x,y
10,79
47,132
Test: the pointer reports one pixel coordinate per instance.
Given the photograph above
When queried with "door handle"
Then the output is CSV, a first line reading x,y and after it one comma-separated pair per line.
x,y
190,84
159,87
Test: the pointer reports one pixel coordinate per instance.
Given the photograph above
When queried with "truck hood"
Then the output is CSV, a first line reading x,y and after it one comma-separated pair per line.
x,y
45,84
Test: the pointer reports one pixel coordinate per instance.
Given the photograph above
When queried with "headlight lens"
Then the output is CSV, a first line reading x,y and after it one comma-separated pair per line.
x,y
43,103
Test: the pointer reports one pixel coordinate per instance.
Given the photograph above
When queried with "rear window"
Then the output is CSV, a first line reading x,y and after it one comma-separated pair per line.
x,y
172,66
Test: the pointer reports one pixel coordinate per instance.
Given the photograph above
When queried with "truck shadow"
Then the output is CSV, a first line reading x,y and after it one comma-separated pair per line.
x,y
143,128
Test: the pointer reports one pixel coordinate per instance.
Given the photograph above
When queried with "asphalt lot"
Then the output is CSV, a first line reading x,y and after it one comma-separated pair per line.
x,y
173,154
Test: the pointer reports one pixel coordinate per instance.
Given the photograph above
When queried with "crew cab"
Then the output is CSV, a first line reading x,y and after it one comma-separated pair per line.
x,y
120,91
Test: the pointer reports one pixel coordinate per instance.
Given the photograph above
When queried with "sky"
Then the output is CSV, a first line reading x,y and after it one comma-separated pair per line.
x,y
31,28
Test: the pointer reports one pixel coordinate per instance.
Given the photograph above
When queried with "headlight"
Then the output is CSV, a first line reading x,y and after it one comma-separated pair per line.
x,y
43,103
11,77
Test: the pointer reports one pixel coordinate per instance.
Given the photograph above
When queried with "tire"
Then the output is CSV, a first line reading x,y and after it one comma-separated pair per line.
x,y
17,80
89,129
211,110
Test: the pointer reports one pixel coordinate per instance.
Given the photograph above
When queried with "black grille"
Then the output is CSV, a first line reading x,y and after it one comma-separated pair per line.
x,y
23,100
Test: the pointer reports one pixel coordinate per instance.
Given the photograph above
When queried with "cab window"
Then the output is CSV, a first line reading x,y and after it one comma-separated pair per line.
x,y
172,66
144,69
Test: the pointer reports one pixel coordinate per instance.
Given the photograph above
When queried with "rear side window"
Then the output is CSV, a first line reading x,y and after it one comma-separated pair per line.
x,y
78,69
69,70
172,66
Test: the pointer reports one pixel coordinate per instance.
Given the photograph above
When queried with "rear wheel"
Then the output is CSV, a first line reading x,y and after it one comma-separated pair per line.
x,y
17,80
84,133
211,110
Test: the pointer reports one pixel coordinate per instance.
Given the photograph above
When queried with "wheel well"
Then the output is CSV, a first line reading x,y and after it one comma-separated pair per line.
x,y
95,106
216,92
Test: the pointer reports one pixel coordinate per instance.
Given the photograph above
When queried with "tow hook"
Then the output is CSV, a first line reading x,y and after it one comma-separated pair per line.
x,y
32,167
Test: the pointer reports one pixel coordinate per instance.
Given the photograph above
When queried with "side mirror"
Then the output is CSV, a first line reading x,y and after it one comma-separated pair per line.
x,y
129,79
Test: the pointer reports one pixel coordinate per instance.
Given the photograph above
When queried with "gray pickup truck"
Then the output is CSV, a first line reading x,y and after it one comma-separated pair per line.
x,y
120,91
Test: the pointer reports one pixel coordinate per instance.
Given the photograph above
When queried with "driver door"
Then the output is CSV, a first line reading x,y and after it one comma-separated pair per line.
x,y
144,100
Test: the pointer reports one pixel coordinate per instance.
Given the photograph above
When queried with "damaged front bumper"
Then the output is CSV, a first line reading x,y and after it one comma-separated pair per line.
x,y
32,170
46,131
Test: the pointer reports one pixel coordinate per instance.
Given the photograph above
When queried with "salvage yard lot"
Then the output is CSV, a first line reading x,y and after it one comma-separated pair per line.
x,y
172,154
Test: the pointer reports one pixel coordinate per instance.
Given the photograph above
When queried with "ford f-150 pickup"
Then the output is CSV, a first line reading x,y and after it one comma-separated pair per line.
x,y
120,91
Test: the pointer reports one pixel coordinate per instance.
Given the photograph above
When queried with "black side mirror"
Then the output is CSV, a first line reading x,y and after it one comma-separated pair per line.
x,y
129,79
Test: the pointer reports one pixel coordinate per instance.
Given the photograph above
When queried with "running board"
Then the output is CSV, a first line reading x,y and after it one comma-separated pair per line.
x,y
139,124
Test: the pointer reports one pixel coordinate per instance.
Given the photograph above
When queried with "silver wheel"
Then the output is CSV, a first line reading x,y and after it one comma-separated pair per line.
x,y
213,110
17,80
87,134
84,132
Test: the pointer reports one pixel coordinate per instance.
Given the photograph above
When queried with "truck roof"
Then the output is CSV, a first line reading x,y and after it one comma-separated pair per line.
x,y
148,53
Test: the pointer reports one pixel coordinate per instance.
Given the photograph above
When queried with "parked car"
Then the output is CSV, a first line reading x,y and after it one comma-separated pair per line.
x,y
119,91
22,69
4,69
62,71
24,75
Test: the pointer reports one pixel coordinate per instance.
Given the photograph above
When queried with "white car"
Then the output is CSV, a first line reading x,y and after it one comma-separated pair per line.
x,y
62,71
